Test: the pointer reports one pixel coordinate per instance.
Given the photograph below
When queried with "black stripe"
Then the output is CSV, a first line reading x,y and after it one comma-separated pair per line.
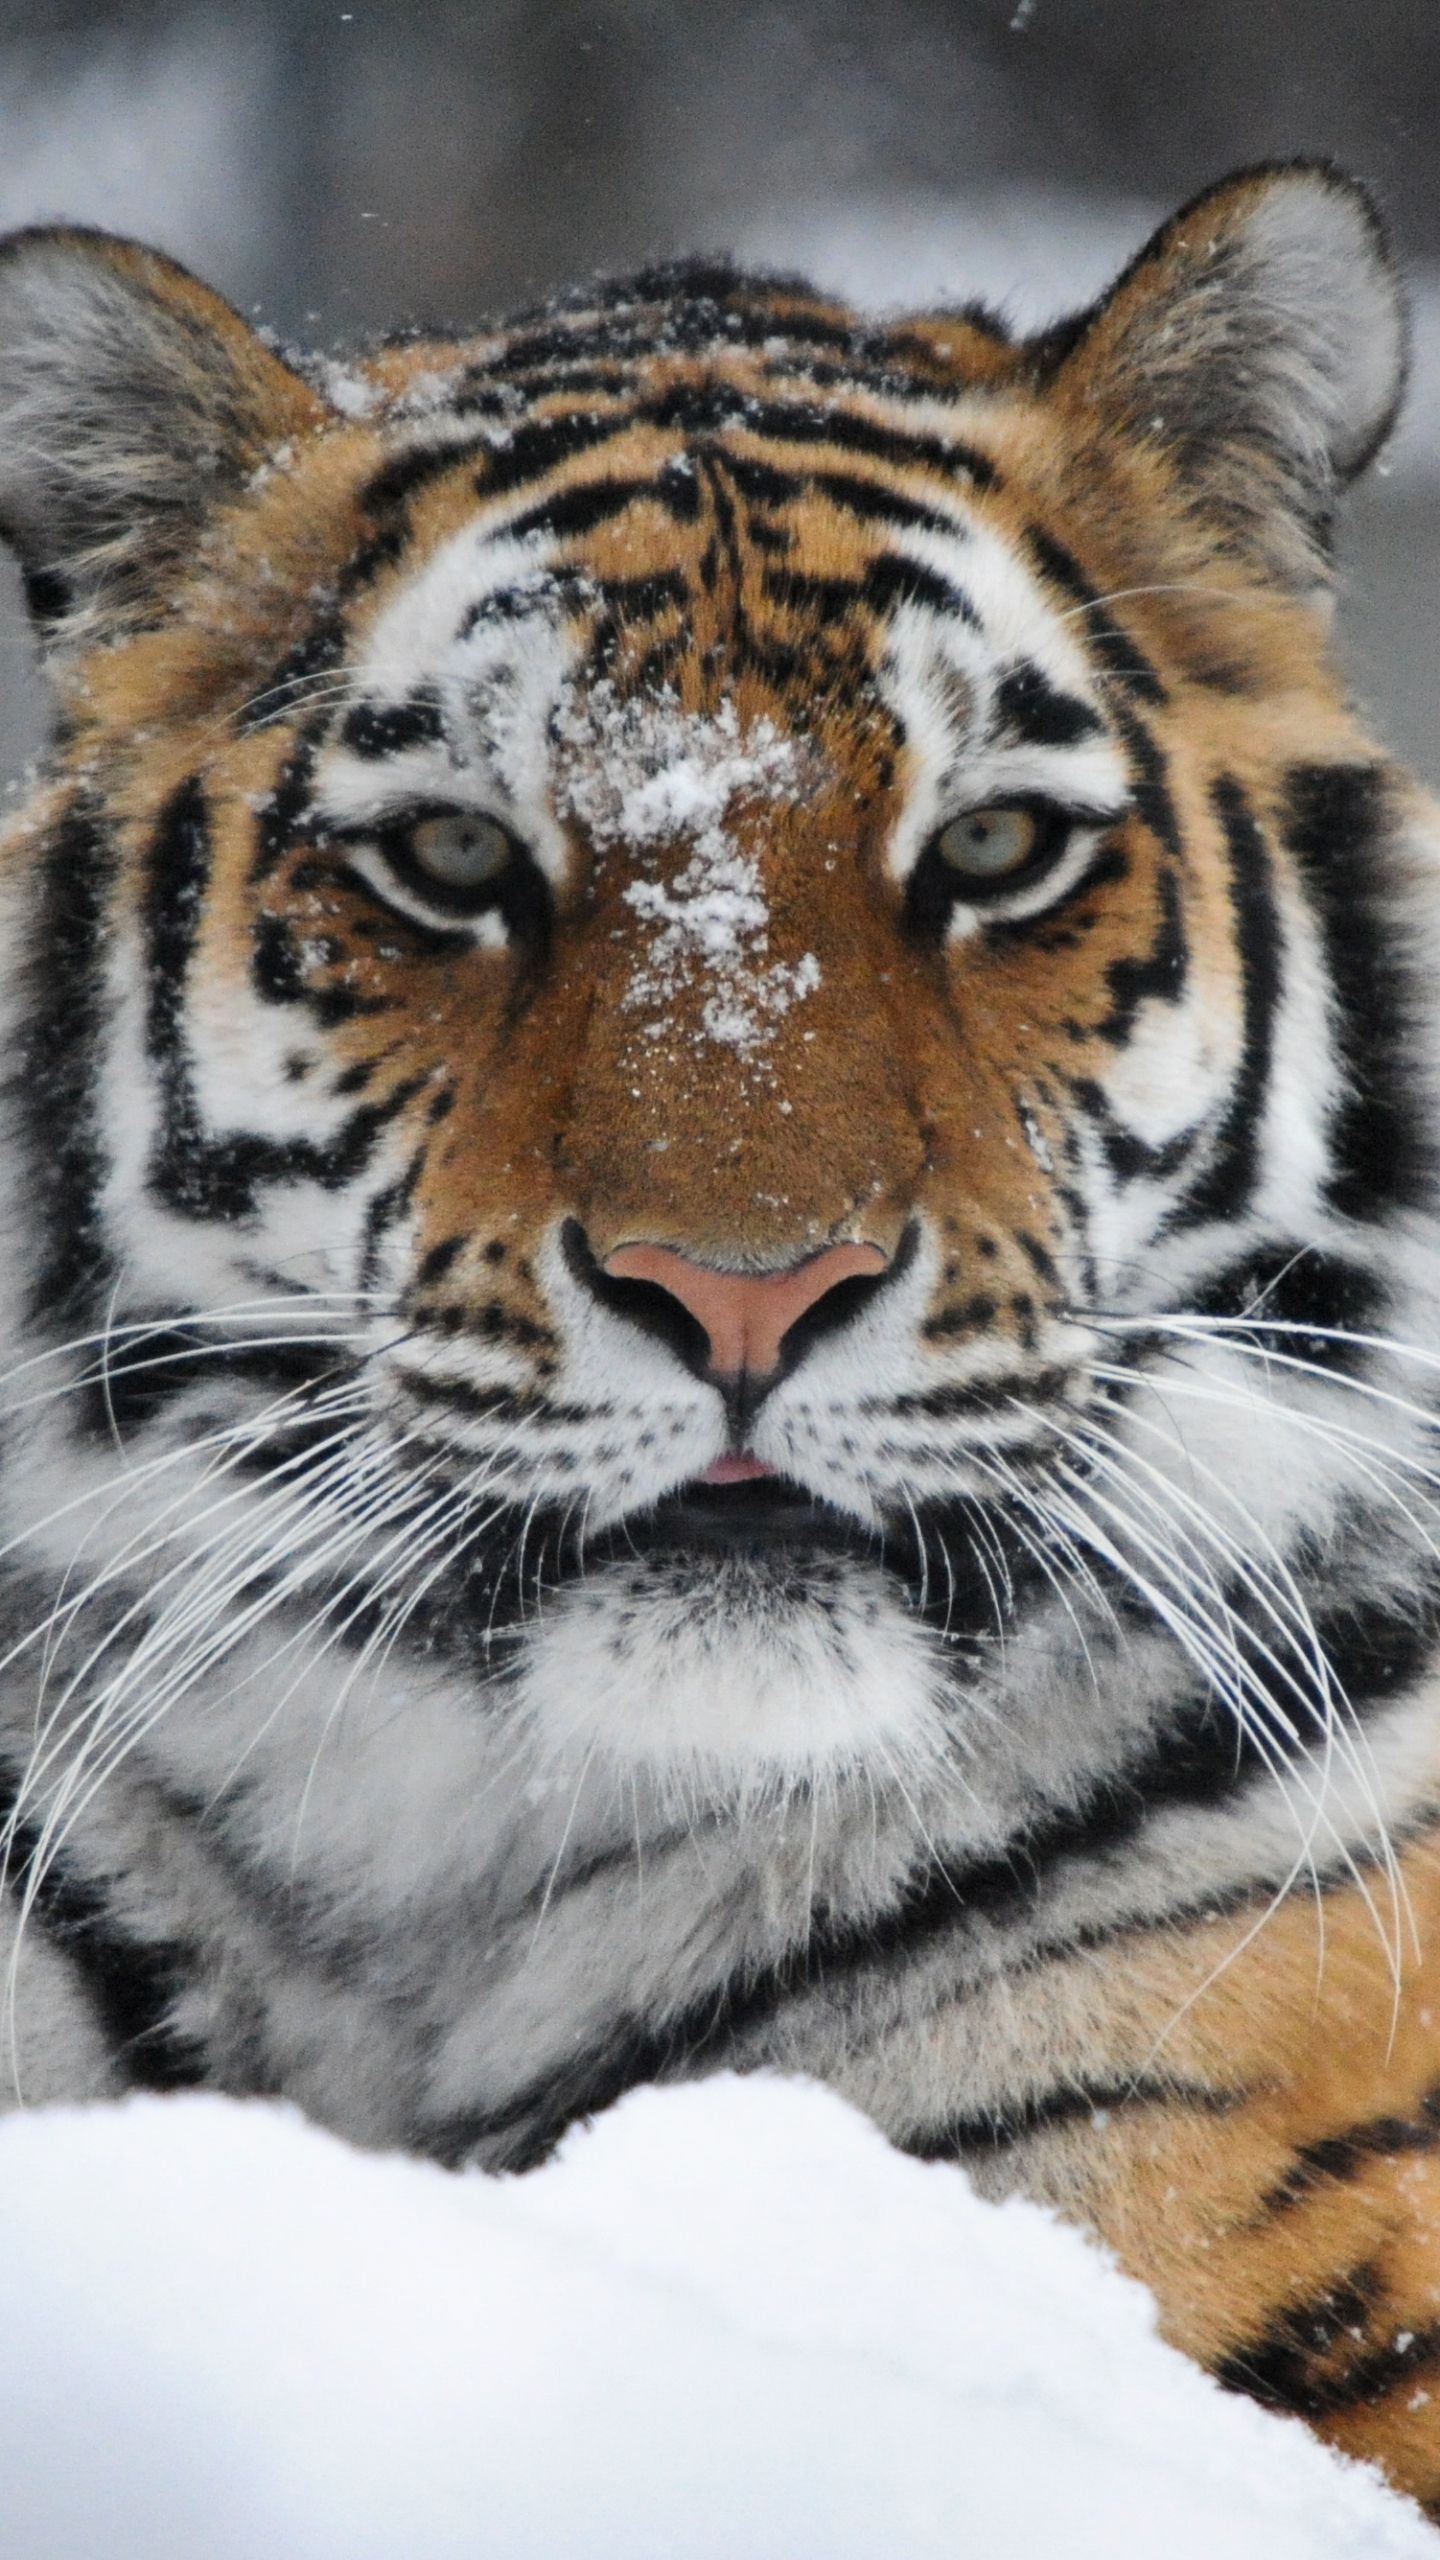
x,y
1121,656
541,445
1339,827
854,433
641,599
1159,977
1306,2361
277,974
529,351
702,318
438,1260
133,1984
385,1212
220,1178
893,580
1151,787
869,501
575,511
820,600
538,351
178,876
387,496
321,650
492,1321
1379,1648
192,1173
762,484
559,590
741,327
289,685
152,1370
880,375
977,1396
1041,1260
1225,1188
375,729
1295,1284
56,1080
874,501
282,813
1130,1158
699,279
977,2136
1037,713
1343,2156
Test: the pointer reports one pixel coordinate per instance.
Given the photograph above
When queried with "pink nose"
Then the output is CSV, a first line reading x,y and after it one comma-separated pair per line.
x,y
746,1318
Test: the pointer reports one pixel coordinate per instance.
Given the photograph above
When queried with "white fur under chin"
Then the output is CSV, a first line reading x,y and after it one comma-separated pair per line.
x,y
730,1680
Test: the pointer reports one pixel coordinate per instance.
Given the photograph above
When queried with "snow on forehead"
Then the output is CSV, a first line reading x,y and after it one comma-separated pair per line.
x,y
646,775
641,770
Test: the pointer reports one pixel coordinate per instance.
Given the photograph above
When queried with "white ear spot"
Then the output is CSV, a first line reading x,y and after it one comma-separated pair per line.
x,y
1261,339
1320,271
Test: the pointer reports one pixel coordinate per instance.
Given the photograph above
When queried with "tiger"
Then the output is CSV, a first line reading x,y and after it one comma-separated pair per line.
x,y
722,1283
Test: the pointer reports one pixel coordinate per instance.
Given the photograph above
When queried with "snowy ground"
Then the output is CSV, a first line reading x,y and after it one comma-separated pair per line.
x,y
727,2324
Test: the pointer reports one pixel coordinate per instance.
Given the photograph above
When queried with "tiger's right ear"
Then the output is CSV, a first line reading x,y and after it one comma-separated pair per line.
x,y
133,400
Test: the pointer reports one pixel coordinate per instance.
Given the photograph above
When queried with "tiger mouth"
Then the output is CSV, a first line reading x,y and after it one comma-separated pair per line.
x,y
755,1515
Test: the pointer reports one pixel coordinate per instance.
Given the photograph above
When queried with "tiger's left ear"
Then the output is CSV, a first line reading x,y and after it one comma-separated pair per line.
x,y
133,403
1260,342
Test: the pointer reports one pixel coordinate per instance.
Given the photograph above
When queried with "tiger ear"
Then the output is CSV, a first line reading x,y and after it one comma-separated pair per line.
x,y
133,400
1260,343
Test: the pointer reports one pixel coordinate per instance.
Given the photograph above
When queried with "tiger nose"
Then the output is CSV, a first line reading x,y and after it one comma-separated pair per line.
x,y
746,1316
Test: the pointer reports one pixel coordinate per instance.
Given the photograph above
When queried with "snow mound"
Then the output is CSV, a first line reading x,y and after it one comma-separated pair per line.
x,y
728,2323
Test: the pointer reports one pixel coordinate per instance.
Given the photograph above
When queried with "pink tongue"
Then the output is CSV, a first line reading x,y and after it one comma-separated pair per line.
x,y
736,1471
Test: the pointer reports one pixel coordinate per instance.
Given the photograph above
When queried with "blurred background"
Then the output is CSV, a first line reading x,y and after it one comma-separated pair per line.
x,y
338,170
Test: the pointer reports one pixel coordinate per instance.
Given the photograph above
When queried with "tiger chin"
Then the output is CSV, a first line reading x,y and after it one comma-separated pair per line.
x,y
721,1276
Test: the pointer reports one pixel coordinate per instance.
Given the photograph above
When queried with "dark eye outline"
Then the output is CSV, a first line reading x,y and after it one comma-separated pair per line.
x,y
519,893
936,887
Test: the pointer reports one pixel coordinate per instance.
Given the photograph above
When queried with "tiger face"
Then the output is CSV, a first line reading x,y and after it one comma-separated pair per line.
x,y
692,867
724,1142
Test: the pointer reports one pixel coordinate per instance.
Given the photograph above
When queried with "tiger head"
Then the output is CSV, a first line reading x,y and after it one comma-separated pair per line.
x,y
718,987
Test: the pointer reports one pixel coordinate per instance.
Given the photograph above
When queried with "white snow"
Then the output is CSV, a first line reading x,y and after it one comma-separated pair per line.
x,y
728,2323
346,390
648,774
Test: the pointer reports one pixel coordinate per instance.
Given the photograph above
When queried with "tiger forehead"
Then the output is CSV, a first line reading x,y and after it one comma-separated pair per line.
x,y
832,601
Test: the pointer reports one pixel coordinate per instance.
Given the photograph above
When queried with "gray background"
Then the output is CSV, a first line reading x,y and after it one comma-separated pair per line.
x,y
339,170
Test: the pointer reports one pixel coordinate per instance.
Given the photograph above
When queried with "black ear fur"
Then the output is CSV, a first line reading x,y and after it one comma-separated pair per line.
x,y
132,400
1260,340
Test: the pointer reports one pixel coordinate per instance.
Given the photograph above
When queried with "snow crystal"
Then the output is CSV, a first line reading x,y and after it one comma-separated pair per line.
x,y
344,388
644,774
729,2320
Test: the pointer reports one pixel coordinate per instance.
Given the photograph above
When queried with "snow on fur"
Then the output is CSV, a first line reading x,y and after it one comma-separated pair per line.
x,y
648,775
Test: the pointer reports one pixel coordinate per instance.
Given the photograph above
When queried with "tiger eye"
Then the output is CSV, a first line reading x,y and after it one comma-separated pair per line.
x,y
986,844
460,851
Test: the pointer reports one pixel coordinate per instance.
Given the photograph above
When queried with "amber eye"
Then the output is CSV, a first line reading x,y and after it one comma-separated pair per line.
x,y
988,844
459,850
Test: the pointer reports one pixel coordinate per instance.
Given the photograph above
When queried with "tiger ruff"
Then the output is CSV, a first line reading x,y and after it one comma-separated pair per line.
x,y
721,1277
